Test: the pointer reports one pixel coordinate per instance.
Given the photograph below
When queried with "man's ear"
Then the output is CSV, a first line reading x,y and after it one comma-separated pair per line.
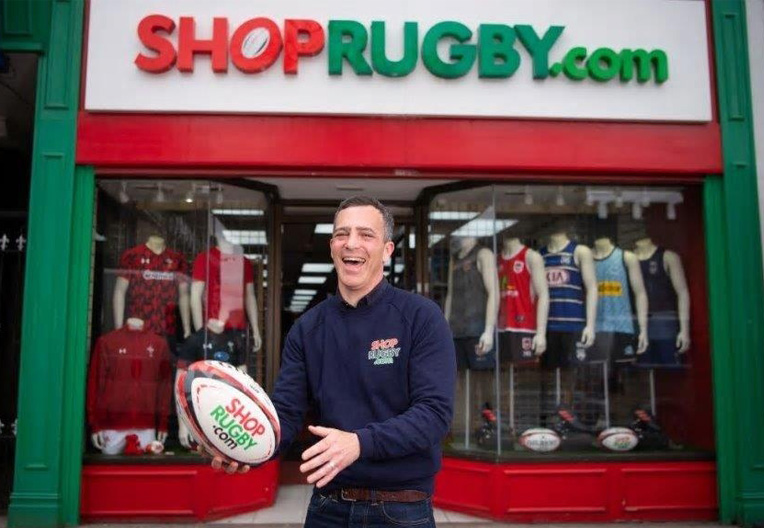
x,y
389,248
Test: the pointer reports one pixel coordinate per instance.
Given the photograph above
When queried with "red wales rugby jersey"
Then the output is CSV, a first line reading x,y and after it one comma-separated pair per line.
x,y
517,307
129,381
153,292
225,276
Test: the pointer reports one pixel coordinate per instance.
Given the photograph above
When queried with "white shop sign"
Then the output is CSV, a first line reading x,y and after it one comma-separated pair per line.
x,y
633,60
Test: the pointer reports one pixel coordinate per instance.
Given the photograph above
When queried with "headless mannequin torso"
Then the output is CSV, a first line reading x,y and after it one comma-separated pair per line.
x,y
644,249
539,287
585,262
486,263
157,245
250,301
603,248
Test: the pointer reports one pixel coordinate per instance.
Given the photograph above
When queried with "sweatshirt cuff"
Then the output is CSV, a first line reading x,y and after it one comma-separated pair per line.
x,y
366,441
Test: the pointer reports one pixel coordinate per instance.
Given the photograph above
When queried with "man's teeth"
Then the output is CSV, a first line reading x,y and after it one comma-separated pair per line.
x,y
353,260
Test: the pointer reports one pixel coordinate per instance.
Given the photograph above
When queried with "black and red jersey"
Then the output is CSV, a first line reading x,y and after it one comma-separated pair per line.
x,y
153,291
129,381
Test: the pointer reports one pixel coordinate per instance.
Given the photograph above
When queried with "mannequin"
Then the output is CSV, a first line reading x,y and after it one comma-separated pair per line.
x,y
211,342
129,388
572,314
472,315
223,288
153,271
572,298
524,301
668,319
471,308
618,276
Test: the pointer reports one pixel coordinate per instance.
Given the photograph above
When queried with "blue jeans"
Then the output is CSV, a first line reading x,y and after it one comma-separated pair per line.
x,y
326,512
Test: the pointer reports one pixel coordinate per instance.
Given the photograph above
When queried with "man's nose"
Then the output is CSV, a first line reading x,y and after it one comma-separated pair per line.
x,y
352,240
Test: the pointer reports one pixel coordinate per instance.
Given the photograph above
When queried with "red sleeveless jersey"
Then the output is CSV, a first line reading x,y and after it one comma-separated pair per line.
x,y
517,305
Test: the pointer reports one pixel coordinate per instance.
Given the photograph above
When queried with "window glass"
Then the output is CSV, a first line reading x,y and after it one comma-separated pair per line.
x,y
180,276
579,319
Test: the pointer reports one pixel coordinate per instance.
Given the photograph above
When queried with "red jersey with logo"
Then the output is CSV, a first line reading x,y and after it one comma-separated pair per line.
x,y
153,291
517,305
129,381
226,276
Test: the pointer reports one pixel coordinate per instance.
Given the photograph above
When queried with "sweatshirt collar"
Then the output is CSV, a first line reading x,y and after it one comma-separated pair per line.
x,y
370,298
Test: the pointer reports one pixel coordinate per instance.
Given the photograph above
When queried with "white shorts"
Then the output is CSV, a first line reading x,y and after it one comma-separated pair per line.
x,y
114,441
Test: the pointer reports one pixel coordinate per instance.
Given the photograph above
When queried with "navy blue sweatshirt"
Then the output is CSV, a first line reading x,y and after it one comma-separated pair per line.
x,y
385,370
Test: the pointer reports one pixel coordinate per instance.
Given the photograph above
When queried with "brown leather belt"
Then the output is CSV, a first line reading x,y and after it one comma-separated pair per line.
x,y
363,494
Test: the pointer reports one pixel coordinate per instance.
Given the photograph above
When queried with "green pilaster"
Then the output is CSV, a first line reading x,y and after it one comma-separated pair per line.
x,y
46,490
739,366
723,381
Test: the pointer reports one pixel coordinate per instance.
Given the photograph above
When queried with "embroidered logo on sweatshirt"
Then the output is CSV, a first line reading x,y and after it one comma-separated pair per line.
x,y
384,351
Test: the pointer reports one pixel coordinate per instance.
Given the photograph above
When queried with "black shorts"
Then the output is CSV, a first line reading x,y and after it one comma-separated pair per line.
x,y
561,348
661,353
467,357
618,347
517,348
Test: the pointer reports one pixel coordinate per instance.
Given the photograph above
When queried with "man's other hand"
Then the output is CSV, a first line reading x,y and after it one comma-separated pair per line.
x,y
334,452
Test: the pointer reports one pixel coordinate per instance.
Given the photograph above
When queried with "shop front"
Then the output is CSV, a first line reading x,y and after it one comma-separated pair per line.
x,y
570,184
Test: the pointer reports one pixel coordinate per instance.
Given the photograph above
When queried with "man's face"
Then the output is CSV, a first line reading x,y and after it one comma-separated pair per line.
x,y
358,247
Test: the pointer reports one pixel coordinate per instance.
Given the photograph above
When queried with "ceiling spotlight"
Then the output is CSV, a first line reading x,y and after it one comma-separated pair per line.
x,y
219,198
528,198
190,194
645,198
160,193
619,198
560,200
602,210
636,211
671,211
123,196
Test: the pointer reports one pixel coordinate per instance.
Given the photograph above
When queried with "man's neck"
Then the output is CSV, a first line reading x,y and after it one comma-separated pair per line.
x,y
353,297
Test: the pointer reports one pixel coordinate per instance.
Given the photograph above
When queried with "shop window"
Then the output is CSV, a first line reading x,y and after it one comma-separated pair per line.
x,y
575,310
180,274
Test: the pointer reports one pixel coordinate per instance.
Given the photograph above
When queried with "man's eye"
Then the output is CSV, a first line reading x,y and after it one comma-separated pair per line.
x,y
368,235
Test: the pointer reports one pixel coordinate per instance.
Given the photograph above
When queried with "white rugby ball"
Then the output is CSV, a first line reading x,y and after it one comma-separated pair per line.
x,y
540,439
227,412
618,439
255,43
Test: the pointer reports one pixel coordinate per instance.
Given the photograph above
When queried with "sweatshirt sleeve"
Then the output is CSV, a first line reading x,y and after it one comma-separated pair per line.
x,y
290,395
164,387
432,378
94,382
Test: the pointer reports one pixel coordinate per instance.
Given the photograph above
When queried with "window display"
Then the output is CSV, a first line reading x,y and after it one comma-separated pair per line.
x,y
571,325
179,277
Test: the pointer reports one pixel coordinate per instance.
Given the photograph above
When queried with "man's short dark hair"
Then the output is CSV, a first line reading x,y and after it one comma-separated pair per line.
x,y
360,201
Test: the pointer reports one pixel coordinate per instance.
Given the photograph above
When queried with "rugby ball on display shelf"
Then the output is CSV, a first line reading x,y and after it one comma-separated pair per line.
x,y
618,439
227,412
540,439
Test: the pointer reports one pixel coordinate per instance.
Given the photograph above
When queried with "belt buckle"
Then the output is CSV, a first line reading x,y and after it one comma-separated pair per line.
x,y
343,497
